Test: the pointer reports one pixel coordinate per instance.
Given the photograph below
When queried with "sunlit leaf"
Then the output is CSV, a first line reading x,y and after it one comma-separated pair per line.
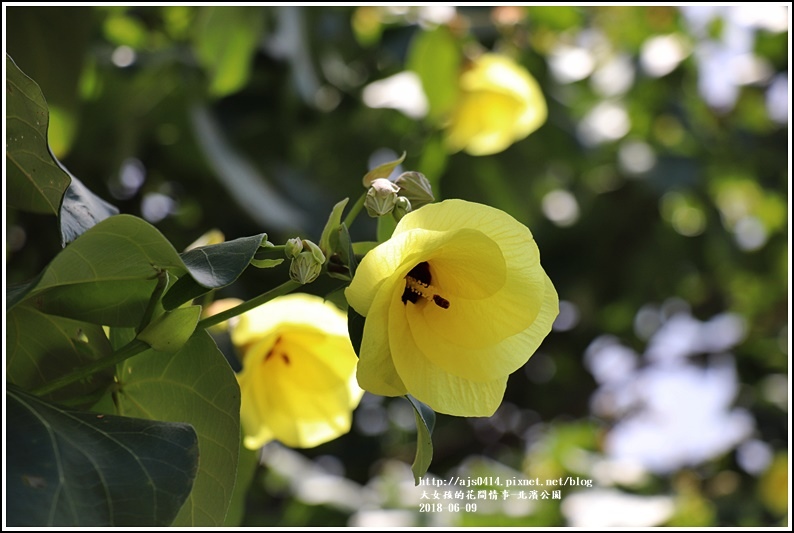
x,y
35,182
435,56
225,39
108,274
195,386
246,468
171,330
78,469
334,219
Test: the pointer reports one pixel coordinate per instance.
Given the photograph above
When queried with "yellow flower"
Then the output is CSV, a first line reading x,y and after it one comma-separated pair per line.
x,y
455,302
499,103
298,379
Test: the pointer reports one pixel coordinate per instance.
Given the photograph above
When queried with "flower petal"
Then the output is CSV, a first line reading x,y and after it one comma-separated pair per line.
x,y
491,361
442,391
375,372
297,394
296,309
471,320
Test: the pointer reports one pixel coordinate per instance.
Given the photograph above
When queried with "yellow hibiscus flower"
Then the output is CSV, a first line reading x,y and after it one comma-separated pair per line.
x,y
298,379
499,103
455,301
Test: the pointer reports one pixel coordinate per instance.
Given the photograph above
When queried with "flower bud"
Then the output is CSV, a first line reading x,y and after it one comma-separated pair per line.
x,y
315,250
415,187
381,197
401,208
293,247
305,268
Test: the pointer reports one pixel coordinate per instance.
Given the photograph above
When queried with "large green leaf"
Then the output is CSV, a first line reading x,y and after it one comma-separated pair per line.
x,y
435,56
212,267
35,182
425,421
108,274
246,468
225,40
43,347
78,469
196,386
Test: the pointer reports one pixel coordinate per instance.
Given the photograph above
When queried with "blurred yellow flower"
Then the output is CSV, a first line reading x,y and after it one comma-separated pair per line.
x,y
499,103
298,379
454,302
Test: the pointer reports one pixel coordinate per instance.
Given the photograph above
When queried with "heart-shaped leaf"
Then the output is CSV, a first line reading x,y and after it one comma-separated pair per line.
x,y
196,386
78,469
108,274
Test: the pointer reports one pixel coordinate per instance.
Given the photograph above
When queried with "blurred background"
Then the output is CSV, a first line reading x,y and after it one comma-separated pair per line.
x,y
657,191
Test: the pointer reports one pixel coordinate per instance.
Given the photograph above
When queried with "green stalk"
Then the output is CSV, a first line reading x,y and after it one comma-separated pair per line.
x,y
351,215
285,288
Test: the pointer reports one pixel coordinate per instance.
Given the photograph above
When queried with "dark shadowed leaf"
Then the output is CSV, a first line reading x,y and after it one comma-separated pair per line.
x,y
78,469
425,421
212,267
41,348
35,182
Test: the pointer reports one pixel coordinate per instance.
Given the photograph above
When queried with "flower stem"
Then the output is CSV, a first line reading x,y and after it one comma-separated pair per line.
x,y
284,288
133,347
351,215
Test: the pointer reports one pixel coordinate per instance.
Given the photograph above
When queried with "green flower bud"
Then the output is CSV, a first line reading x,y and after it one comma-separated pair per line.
x,y
315,250
381,197
293,247
401,208
305,268
415,187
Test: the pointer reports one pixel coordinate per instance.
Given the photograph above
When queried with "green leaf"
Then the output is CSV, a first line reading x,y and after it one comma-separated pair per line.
x,y
170,331
78,469
195,386
334,219
225,41
435,56
42,347
108,274
81,210
212,267
246,468
35,182
425,421
345,250
382,171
